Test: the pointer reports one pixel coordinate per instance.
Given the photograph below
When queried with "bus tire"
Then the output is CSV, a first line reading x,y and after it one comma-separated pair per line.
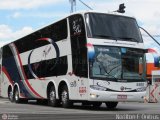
x,y
96,104
66,103
86,103
52,101
111,105
10,94
16,96
42,101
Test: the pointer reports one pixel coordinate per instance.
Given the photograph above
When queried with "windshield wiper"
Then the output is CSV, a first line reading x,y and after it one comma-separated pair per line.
x,y
111,76
127,38
108,73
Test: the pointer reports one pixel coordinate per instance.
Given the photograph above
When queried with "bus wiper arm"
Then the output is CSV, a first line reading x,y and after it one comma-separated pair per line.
x,y
112,76
109,74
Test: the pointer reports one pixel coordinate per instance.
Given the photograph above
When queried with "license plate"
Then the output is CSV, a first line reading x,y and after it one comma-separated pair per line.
x,y
122,97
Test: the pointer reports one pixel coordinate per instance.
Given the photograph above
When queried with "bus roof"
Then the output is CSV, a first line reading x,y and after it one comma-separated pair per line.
x,y
79,12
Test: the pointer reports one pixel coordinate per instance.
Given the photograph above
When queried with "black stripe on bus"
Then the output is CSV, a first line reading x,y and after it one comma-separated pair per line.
x,y
46,68
56,31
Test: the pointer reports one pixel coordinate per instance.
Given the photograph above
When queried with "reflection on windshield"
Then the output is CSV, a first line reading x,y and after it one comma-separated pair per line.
x,y
114,27
117,63
107,62
132,65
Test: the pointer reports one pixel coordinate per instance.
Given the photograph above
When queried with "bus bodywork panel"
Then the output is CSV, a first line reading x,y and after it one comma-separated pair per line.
x,y
67,55
116,91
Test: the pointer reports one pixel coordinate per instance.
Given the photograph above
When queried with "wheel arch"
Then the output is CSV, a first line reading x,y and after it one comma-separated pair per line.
x,y
50,84
14,88
10,87
61,84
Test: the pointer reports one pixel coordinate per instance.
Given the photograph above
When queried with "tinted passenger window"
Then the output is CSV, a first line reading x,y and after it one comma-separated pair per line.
x,y
57,31
78,44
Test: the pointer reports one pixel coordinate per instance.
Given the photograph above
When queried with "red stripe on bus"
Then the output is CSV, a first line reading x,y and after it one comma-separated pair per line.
x,y
46,39
25,75
8,76
89,45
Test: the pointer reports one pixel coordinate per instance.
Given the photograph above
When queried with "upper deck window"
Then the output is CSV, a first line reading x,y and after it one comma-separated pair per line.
x,y
105,26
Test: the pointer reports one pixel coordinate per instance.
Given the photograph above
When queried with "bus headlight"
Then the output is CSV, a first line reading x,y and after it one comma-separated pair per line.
x,y
94,95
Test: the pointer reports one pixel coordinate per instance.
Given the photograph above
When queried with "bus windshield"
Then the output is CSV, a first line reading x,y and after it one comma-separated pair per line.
x,y
115,27
117,63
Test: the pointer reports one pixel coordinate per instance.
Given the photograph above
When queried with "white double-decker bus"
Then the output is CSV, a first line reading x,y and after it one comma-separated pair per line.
x,y
87,57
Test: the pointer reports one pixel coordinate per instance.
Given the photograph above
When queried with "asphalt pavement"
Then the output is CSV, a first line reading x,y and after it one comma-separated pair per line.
x,y
34,111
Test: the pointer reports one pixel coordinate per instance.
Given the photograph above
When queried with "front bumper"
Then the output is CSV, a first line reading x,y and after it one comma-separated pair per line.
x,y
103,96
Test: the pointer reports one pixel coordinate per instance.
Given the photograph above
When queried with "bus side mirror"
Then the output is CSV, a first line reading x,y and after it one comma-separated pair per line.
x,y
155,56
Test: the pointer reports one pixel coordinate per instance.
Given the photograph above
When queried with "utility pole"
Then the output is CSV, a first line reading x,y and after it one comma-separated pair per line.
x,y
85,5
73,5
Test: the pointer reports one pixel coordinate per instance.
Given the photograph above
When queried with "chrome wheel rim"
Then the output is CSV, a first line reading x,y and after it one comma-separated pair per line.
x,y
16,96
10,95
52,96
64,96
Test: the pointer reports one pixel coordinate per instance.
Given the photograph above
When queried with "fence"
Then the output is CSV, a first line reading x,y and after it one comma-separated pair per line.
x,y
153,93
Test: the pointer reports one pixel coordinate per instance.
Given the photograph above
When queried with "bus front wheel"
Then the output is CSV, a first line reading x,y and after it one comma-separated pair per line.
x,y
111,105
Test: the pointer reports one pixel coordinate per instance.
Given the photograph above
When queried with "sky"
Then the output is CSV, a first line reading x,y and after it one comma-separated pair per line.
x,y
21,17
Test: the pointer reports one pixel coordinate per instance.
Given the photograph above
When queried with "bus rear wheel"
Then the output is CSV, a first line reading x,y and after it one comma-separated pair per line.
x,y
16,96
66,103
111,105
52,101
10,95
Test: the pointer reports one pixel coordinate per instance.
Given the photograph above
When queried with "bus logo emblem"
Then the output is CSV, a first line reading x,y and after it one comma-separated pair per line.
x,y
57,56
122,88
